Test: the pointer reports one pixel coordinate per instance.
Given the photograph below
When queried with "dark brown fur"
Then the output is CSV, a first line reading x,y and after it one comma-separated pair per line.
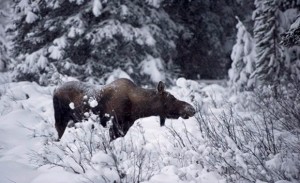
x,y
121,99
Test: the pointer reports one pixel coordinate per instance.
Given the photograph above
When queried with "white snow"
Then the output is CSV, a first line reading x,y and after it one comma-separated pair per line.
x,y
110,28
152,67
28,139
145,37
61,42
97,7
31,17
296,24
124,10
55,52
93,102
154,3
72,106
243,60
116,74
22,117
42,62
181,82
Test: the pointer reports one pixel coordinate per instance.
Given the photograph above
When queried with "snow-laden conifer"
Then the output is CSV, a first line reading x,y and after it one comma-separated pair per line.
x,y
274,62
89,39
243,60
269,56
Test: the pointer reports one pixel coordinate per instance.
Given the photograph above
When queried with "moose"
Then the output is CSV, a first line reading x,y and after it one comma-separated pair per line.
x,y
121,101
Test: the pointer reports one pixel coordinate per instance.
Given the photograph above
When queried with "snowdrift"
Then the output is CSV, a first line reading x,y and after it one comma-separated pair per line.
x,y
29,152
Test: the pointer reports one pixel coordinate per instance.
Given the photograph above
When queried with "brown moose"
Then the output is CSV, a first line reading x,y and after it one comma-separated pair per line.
x,y
121,99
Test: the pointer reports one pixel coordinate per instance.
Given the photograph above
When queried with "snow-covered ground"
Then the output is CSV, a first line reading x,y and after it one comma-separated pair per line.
x,y
27,128
229,140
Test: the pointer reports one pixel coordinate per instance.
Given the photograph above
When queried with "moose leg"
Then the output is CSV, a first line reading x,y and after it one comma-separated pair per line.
x,y
116,129
61,116
162,121
61,123
114,133
128,122
60,128
104,120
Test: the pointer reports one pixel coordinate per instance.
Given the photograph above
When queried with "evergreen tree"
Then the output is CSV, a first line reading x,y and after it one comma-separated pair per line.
x,y
3,56
206,37
89,38
291,40
4,18
292,36
269,54
243,60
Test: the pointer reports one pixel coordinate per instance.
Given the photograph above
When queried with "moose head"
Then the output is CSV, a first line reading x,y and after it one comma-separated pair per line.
x,y
171,107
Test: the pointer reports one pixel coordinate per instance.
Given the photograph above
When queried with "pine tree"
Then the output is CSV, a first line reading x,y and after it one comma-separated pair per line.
x,y
269,54
207,37
89,38
275,63
292,36
290,21
291,39
3,56
4,18
243,60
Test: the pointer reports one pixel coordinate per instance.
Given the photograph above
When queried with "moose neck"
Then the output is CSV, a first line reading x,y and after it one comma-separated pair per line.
x,y
146,103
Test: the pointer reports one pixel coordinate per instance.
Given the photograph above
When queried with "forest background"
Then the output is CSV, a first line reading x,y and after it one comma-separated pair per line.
x,y
245,130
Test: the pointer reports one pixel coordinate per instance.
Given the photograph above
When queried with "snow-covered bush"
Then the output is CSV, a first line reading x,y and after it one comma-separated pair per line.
x,y
281,104
248,149
86,149
249,137
243,147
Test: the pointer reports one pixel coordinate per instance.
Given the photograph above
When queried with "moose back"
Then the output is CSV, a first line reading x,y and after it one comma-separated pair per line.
x,y
122,100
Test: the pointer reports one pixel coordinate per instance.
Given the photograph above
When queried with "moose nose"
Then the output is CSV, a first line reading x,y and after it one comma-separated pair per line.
x,y
190,110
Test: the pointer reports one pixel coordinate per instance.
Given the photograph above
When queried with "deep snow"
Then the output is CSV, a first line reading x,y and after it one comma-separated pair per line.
x,y
26,120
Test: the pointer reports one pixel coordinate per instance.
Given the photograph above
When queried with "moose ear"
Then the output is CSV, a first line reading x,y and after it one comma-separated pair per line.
x,y
161,87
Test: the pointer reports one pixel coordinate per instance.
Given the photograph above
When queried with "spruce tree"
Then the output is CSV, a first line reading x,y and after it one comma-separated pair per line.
x,y
243,60
89,38
292,36
291,40
207,37
290,20
269,56
4,19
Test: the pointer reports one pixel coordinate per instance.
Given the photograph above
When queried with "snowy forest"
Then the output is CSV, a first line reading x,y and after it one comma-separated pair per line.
x,y
237,62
